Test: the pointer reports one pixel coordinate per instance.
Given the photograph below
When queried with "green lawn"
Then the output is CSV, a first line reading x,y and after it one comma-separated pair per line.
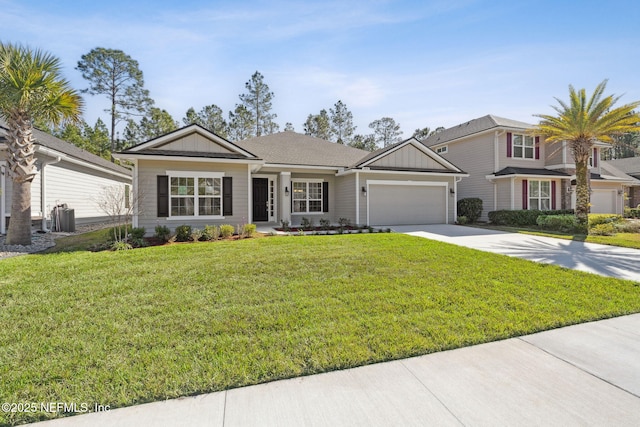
x,y
121,328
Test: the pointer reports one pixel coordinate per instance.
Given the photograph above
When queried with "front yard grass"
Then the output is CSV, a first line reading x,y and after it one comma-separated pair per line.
x,y
625,240
123,328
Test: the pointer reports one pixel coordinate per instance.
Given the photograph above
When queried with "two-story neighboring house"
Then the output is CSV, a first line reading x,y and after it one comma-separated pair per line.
x,y
510,168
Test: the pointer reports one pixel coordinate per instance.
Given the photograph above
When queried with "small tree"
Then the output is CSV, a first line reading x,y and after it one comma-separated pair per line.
x,y
120,205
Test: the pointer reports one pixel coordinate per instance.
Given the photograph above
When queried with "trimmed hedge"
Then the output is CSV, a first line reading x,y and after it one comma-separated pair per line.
x,y
632,213
520,218
471,208
563,223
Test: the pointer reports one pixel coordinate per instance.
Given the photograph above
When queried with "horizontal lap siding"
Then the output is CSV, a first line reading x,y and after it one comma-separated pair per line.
x,y
148,170
345,193
503,189
332,216
80,188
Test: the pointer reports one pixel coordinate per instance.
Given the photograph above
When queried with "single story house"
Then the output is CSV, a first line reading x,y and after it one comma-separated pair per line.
x,y
192,176
510,168
67,175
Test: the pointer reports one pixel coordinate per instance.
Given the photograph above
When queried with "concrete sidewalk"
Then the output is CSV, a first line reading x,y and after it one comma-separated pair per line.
x,y
613,261
587,374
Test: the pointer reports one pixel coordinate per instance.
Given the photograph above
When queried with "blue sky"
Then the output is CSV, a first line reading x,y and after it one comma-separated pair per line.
x,y
423,63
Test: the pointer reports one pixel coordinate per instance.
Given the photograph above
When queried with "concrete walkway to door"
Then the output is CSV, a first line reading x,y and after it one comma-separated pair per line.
x,y
613,261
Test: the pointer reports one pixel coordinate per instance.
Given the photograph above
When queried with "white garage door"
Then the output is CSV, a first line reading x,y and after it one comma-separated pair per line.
x,y
603,201
407,204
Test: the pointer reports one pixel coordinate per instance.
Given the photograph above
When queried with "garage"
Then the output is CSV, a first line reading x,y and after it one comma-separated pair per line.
x,y
603,201
408,203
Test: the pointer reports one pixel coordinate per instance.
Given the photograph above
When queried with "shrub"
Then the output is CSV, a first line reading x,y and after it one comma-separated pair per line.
x,y
564,223
248,230
211,232
521,218
606,229
226,231
162,232
344,222
138,243
285,225
196,234
137,233
597,219
633,213
325,224
121,246
470,208
627,227
183,233
462,220
306,223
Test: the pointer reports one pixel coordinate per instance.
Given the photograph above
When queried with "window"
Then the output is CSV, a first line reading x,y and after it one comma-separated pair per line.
x,y
196,195
540,195
307,196
523,146
441,150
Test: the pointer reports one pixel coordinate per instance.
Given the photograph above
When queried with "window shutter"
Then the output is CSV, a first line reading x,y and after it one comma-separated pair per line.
x,y
525,194
537,147
595,157
553,195
325,197
509,144
163,196
227,196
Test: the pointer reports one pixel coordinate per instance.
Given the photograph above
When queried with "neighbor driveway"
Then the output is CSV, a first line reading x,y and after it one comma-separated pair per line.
x,y
605,260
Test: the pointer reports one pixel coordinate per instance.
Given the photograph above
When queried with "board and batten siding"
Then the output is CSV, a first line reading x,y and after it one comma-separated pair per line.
x,y
80,188
408,157
148,171
475,156
365,176
194,143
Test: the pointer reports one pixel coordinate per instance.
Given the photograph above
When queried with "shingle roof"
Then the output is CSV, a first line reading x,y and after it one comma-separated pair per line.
x,y
529,171
630,166
64,147
153,152
298,149
472,127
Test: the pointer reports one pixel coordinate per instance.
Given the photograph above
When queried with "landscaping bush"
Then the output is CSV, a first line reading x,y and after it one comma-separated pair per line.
x,y
196,234
226,231
183,233
632,213
248,230
471,208
522,218
325,224
597,219
627,227
564,223
121,246
137,233
344,222
606,229
462,220
306,223
211,232
162,232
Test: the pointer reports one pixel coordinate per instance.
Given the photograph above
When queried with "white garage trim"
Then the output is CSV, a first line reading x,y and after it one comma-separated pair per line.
x,y
410,183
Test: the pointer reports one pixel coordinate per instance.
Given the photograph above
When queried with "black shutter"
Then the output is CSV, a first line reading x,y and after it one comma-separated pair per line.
x,y
163,196
325,197
227,196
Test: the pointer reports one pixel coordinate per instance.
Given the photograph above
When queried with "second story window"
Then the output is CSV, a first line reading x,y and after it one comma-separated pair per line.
x,y
523,146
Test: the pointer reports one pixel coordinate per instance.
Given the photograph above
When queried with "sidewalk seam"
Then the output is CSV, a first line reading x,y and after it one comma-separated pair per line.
x,y
430,392
578,367
224,409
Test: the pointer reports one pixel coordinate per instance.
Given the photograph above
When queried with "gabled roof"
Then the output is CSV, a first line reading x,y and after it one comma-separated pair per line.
x,y
474,126
630,166
49,141
611,172
293,148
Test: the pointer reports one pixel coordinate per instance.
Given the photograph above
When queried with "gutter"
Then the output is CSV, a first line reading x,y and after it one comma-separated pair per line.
x,y
62,156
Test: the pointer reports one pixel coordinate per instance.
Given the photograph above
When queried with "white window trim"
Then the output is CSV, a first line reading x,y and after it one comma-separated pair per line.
x,y
195,175
442,150
513,147
539,198
307,180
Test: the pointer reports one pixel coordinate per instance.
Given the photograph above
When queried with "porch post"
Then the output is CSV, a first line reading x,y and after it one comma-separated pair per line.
x,y
285,199
3,191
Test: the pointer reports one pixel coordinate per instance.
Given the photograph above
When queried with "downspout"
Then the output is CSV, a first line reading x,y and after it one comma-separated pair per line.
x,y
456,180
134,196
43,191
358,198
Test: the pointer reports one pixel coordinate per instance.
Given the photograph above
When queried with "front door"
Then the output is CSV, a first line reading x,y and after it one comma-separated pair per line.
x,y
260,199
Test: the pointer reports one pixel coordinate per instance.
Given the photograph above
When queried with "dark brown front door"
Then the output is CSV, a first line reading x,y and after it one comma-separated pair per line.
x,y
260,199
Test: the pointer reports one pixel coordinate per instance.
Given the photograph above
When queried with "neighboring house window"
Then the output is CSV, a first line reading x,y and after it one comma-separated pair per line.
x,y
441,150
196,195
523,146
540,195
307,196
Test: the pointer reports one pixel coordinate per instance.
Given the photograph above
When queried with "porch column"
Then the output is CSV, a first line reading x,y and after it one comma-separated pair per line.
x,y
286,192
3,215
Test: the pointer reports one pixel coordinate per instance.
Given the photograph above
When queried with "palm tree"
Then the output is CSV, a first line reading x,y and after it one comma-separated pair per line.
x,y
581,123
31,88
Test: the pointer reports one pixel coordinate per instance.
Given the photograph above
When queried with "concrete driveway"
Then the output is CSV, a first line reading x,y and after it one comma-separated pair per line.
x,y
605,260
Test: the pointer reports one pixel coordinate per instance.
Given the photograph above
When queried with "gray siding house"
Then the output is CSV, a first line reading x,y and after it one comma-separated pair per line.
x,y
510,168
67,175
192,176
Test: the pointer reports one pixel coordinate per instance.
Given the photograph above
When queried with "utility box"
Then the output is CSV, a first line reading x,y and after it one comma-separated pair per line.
x,y
63,219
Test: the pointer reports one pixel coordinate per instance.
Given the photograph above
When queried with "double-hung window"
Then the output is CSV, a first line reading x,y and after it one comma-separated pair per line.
x,y
540,195
307,196
194,195
523,146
